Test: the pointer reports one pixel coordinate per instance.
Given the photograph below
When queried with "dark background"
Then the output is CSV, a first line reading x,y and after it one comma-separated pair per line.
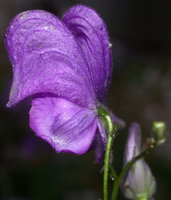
x,y
140,32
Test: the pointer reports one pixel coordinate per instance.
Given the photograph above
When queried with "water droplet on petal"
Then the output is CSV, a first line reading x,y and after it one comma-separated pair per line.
x,y
51,28
23,16
110,45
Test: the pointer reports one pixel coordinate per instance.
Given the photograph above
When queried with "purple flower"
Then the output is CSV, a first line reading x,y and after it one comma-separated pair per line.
x,y
65,65
139,183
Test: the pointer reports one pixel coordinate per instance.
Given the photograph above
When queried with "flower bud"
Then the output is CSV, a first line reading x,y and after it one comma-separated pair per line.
x,y
159,129
139,183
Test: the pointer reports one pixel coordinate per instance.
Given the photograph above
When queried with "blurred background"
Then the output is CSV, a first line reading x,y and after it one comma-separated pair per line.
x,y
140,32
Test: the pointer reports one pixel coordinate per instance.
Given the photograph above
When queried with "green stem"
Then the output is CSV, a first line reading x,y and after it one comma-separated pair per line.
x,y
127,167
106,166
143,197
110,129
113,174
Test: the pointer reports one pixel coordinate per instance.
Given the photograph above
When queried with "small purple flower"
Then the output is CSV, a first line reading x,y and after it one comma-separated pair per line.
x,y
65,65
139,183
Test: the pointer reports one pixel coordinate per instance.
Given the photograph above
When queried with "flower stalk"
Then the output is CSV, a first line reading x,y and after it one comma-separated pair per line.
x,y
111,132
106,166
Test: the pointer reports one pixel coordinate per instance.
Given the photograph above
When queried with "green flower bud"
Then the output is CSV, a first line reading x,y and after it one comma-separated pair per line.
x,y
159,128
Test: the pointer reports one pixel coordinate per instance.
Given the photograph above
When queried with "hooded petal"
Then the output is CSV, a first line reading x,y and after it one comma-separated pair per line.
x,y
46,59
65,125
91,34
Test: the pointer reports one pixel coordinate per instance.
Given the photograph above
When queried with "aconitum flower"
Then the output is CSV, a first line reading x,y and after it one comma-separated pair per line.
x,y
65,64
139,183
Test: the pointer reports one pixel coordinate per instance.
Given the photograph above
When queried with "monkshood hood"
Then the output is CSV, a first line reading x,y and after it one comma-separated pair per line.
x,y
65,64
